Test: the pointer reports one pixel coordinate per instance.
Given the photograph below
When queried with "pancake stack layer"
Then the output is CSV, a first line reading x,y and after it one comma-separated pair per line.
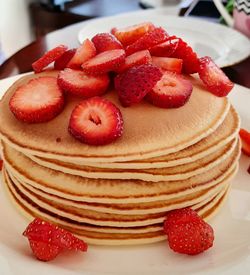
x,y
120,193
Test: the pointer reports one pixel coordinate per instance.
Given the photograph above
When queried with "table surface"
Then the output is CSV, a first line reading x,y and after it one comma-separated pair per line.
x,y
21,61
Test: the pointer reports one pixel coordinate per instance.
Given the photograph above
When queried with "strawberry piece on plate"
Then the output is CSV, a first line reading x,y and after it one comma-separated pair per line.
x,y
79,83
83,53
135,59
130,34
48,240
180,216
113,30
96,121
187,233
168,63
48,58
104,62
106,42
165,49
171,91
189,57
245,141
63,60
148,40
214,78
135,83
39,100
1,164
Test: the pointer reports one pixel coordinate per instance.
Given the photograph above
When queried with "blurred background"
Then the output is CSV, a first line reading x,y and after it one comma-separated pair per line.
x,y
23,21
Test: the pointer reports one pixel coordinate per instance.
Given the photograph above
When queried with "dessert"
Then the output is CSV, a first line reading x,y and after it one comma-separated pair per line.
x,y
167,142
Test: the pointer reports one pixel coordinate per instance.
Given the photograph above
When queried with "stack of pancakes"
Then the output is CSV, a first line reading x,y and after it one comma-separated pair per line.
x,y
120,193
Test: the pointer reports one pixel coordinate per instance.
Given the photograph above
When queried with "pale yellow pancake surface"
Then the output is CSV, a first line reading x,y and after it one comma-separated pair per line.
x,y
148,131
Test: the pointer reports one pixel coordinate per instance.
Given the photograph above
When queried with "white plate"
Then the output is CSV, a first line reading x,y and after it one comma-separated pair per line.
x,y
229,255
225,45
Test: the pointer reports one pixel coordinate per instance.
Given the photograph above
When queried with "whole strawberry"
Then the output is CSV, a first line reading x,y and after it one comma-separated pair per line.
x,y
187,232
48,240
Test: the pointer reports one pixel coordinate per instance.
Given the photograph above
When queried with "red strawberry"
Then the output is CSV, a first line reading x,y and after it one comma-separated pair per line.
x,y
189,57
104,62
63,60
245,141
78,83
48,58
39,100
168,63
165,49
130,34
48,240
135,59
188,233
106,42
96,121
148,40
1,164
214,78
178,217
135,83
113,30
171,91
85,51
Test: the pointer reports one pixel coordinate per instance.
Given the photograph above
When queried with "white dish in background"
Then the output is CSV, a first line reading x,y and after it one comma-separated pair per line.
x,y
230,254
225,45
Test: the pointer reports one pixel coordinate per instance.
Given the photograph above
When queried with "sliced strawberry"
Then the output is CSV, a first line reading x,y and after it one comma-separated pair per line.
x,y
79,83
104,62
135,59
189,57
48,58
168,63
148,40
171,91
214,78
48,240
245,141
63,60
187,232
106,42
165,49
96,121
130,34
1,164
39,100
135,83
83,53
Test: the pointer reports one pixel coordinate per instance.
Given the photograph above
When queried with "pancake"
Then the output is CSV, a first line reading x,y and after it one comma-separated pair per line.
x,y
101,238
51,201
106,190
149,131
120,193
178,172
227,131
120,209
